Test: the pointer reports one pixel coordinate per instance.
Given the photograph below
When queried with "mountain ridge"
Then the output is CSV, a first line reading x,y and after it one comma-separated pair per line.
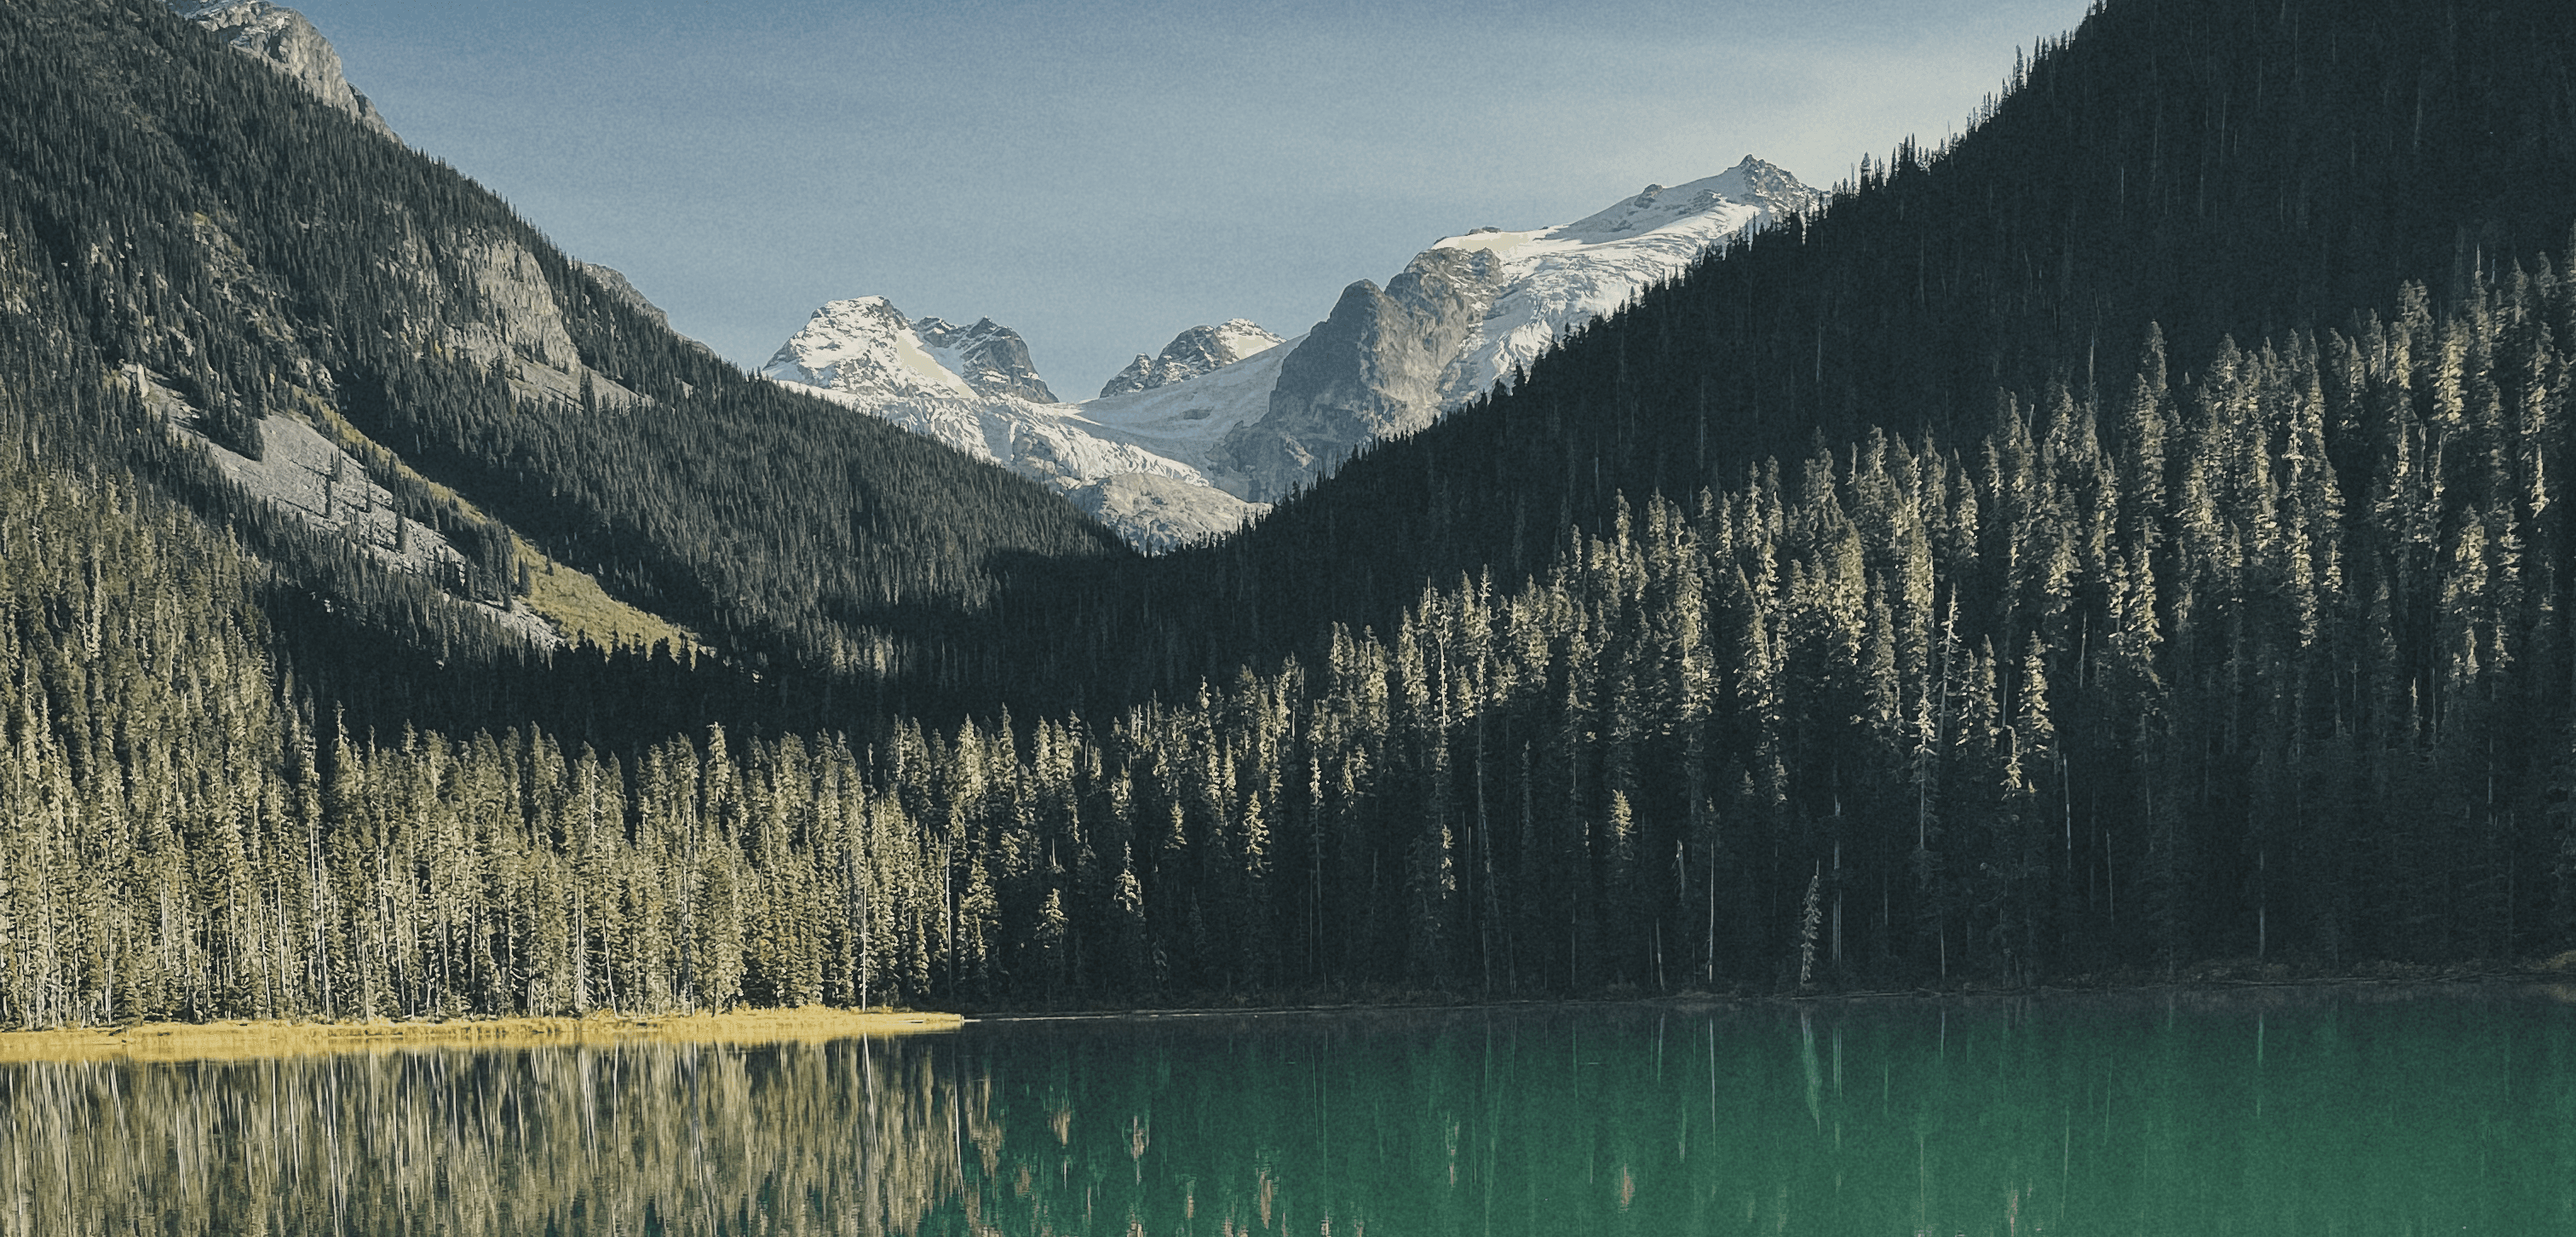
x,y
1467,312
1191,353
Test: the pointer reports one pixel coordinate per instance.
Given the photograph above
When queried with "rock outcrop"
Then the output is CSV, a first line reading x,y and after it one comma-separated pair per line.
x,y
290,44
1371,369
992,358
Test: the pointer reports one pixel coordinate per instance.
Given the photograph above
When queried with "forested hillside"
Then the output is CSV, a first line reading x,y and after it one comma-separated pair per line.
x,y
2130,537
2270,665
180,214
2219,169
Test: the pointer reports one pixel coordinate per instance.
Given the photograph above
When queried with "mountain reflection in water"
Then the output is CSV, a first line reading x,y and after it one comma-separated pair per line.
x,y
2355,1111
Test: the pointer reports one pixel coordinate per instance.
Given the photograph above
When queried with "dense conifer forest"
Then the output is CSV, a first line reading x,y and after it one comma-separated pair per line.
x,y
2216,170
2126,537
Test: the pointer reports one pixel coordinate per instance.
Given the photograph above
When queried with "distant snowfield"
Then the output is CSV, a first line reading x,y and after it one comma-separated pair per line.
x,y
1152,499
1051,442
1156,463
1559,278
1186,420
1157,513
912,355
1495,241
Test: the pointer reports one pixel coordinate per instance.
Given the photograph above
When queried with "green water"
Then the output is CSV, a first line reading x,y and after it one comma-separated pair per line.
x,y
2317,1111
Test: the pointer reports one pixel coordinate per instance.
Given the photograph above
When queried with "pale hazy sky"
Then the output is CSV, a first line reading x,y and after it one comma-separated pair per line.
x,y
1101,176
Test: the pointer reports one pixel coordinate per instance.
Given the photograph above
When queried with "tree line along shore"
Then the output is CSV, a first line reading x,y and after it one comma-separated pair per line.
x,y
2265,662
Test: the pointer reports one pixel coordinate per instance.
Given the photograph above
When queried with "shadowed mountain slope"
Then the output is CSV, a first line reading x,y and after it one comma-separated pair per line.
x,y
236,251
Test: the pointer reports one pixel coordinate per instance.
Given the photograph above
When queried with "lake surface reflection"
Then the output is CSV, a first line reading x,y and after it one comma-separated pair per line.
x,y
2311,1111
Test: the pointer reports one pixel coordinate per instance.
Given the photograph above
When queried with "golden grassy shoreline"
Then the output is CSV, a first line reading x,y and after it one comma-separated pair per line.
x,y
248,1039
243,1039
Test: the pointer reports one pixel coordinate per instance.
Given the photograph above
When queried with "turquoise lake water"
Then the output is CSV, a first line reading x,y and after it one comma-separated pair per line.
x,y
2287,1111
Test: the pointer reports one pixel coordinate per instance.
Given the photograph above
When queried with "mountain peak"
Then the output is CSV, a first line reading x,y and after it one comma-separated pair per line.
x,y
1233,406
865,346
1765,187
1191,353
992,358
1757,182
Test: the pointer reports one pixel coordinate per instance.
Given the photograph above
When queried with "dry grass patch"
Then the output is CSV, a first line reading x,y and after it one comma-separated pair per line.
x,y
578,607
235,1040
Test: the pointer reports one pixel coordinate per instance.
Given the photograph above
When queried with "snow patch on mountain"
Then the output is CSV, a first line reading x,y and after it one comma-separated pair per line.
x,y
1474,309
1053,443
1187,421
1555,279
1750,190
864,347
1157,513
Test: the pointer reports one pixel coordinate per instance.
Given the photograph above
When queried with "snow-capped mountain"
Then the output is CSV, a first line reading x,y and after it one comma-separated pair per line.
x,y
1191,353
865,347
1471,309
1187,421
288,43
974,389
1562,277
1196,440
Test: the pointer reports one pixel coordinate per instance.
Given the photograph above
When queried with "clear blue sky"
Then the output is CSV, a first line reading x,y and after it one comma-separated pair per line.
x,y
1101,176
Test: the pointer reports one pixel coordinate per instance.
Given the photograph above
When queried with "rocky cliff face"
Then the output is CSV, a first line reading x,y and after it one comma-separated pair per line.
x,y
614,282
1371,369
500,309
992,358
289,43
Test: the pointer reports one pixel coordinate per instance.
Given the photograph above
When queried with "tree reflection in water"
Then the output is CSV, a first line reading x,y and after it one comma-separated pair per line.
x,y
2361,1111
853,1137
